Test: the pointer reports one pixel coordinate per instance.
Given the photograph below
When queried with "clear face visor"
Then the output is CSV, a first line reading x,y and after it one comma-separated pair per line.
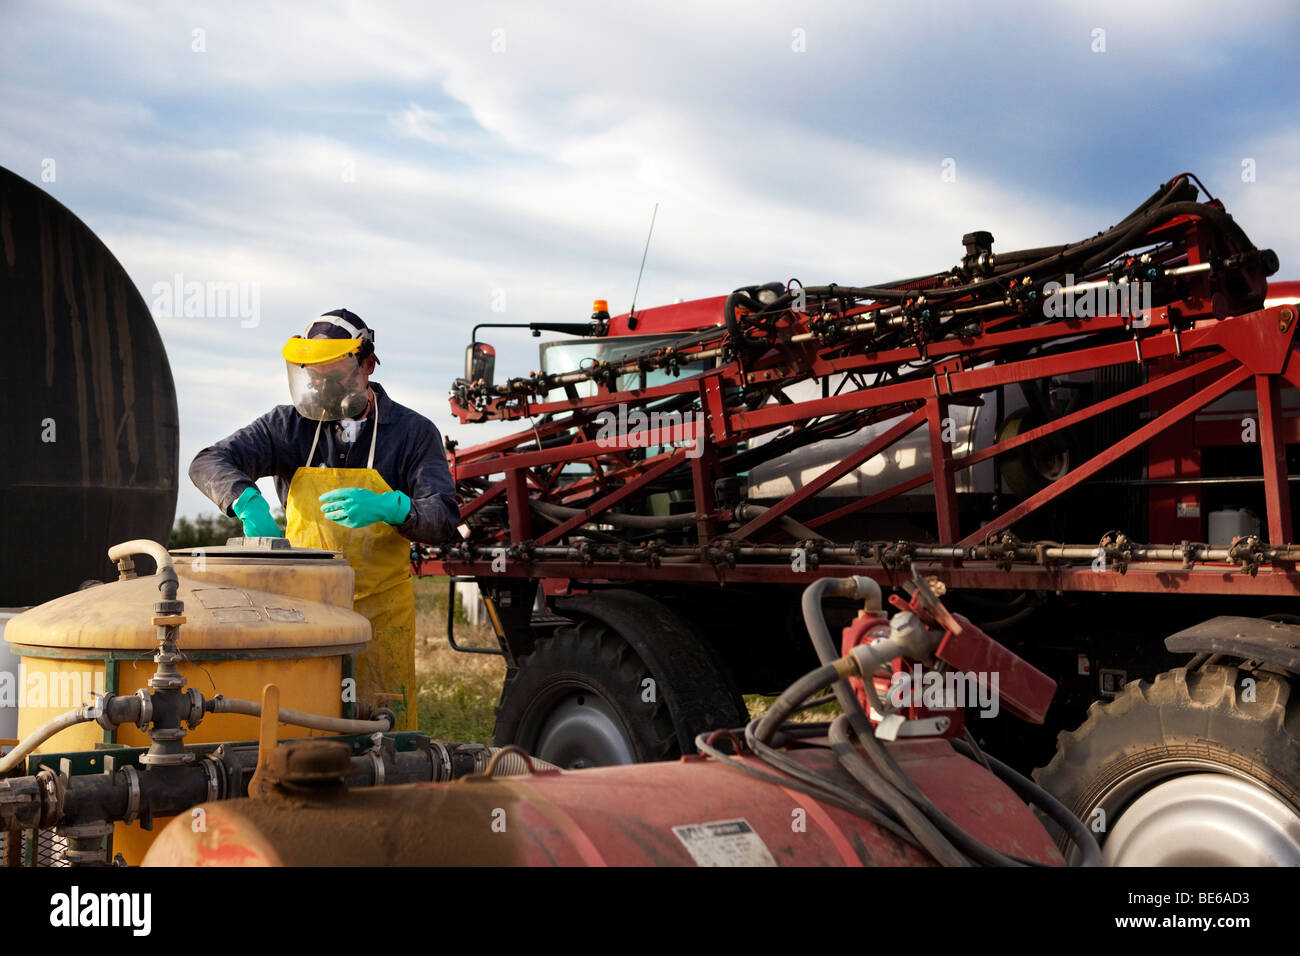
x,y
328,391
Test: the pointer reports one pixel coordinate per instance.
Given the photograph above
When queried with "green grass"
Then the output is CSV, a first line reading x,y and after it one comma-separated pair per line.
x,y
458,692
758,705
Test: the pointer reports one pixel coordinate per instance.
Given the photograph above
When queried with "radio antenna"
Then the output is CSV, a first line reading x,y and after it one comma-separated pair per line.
x,y
631,313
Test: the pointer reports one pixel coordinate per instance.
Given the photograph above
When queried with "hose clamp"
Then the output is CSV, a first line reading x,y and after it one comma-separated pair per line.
x,y
132,793
97,710
52,790
377,761
196,708
441,773
146,709
214,781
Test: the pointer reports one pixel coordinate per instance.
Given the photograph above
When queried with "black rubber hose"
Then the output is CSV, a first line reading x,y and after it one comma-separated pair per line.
x,y
1077,258
793,696
1158,216
1104,247
786,764
747,511
823,790
1163,205
866,735
1032,793
1176,189
1164,193
935,843
1163,213
561,513
737,298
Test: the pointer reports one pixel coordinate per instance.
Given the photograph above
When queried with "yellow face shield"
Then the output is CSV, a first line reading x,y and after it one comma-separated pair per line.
x,y
300,351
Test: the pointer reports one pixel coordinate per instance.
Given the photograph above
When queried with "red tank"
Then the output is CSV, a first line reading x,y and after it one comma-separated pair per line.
x,y
693,812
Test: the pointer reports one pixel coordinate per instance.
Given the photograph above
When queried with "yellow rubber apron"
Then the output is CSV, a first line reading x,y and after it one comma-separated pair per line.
x,y
381,559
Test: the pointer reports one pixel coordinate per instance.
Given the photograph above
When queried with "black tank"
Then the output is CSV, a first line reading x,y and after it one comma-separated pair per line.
x,y
90,428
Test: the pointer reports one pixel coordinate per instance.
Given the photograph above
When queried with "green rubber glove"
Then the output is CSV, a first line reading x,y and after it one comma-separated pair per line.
x,y
251,508
360,508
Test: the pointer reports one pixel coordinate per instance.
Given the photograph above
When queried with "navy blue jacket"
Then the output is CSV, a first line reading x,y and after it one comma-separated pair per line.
x,y
409,455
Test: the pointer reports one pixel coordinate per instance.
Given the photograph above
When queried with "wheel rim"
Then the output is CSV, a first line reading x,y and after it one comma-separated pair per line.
x,y
582,730
1197,813
1050,463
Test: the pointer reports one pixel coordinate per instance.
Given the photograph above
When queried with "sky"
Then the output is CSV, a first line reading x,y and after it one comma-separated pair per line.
x,y
427,165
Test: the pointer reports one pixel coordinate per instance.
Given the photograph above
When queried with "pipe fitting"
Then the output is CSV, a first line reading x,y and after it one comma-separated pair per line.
x,y
198,707
168,583
126,549
145,715
916,643
859,587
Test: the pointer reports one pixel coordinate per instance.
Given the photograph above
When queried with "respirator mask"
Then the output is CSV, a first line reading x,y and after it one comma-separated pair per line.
x,y
326,382
330,391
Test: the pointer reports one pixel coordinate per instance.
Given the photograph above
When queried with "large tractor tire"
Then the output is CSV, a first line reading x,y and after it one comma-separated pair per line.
x,y
576,701
627,682
1197,768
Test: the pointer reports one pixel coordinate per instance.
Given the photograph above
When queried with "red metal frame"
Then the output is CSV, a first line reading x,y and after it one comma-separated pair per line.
x,y
1192,355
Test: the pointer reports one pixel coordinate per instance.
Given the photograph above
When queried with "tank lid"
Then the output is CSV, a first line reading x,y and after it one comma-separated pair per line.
x,y
261,548
219,617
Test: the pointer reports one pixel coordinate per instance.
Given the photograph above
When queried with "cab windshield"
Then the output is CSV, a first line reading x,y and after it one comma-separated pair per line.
x,y
572,355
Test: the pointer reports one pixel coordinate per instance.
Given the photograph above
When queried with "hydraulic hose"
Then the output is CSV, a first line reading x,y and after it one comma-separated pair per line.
x,y
1032,793
44,732
935,842
506,762
794,695
786,764
1159,215
631,522
820,789
953,835
933,829
1170,200
825,647
788,524
729,315
335,725
856,718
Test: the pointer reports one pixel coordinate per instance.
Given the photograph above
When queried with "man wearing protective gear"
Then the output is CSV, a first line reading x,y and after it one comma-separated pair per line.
x,y
345,488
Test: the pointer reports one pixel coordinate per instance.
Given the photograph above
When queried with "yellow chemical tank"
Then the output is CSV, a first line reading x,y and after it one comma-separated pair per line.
x,y
256,612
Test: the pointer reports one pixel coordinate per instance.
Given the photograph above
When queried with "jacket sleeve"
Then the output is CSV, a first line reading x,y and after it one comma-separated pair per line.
x,y
434,512
222,471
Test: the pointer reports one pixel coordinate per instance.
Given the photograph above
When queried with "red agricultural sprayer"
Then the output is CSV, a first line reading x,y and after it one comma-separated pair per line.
x,y
1088,443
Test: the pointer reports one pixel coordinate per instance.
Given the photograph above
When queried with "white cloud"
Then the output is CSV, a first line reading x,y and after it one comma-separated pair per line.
x,y
535,169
